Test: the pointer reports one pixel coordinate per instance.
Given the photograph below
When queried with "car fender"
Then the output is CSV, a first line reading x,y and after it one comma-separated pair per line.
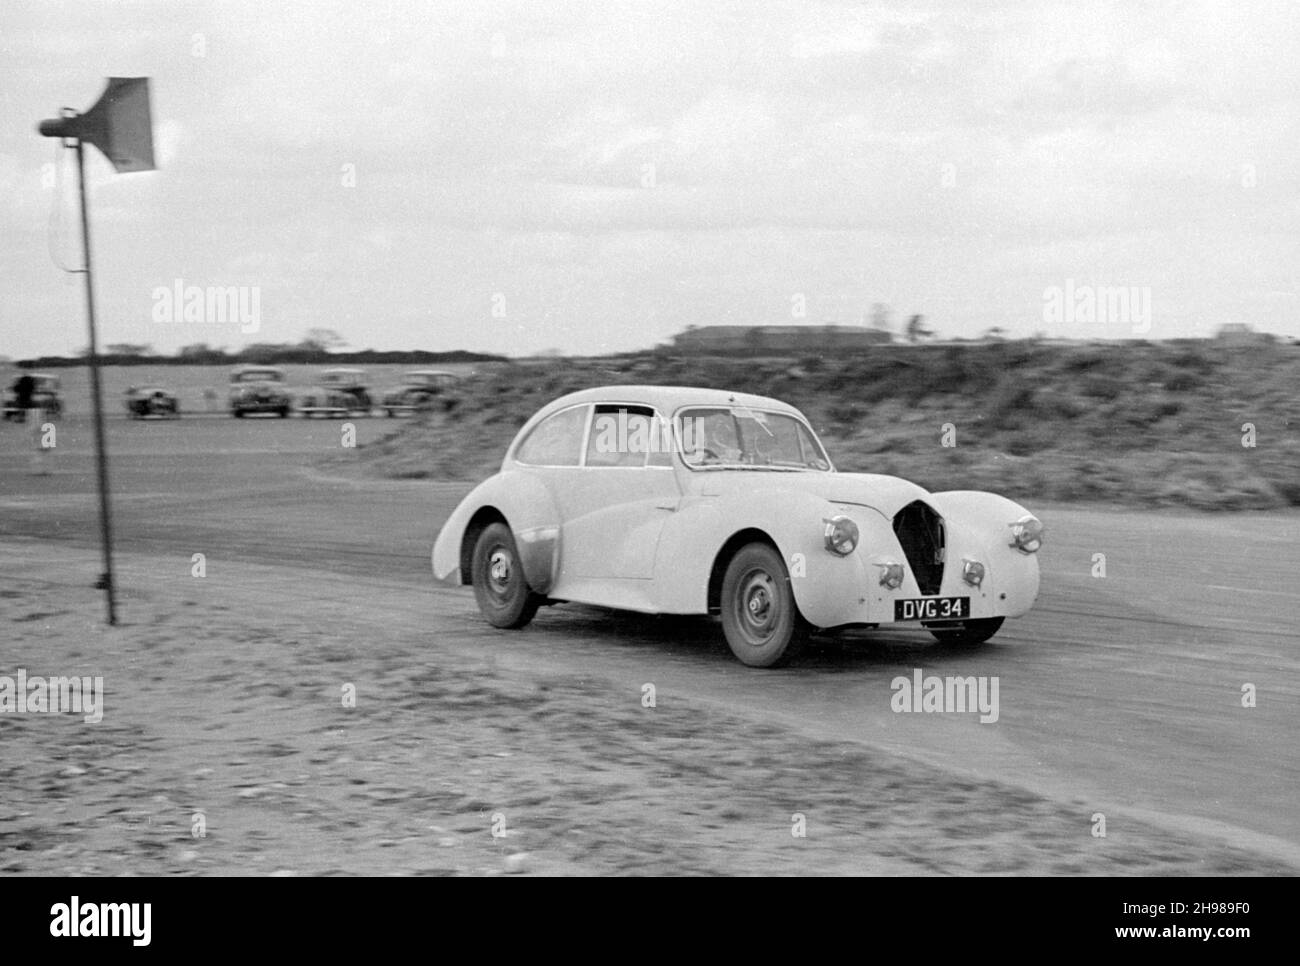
x,y
827,587
979,509
980,523
532,515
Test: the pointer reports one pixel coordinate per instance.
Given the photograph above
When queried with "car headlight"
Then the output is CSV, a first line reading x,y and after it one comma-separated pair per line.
x,y
1027,534
841,535
891,575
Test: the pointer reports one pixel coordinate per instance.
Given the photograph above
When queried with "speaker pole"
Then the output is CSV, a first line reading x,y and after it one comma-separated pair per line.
x,y
101,454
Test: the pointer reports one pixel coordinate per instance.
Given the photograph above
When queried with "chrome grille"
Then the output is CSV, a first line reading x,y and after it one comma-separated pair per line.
x,y
920,533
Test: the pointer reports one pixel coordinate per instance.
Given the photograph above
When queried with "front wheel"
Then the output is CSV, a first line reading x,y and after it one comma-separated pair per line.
x,y
761,622
498,578
968,633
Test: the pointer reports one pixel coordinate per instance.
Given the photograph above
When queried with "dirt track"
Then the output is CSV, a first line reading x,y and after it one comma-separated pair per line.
x,y
1119,696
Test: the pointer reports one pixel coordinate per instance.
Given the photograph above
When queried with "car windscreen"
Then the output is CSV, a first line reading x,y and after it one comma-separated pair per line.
x,y
737,436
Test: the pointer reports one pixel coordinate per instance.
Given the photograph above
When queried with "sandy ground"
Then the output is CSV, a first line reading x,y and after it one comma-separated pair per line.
x,y
223,698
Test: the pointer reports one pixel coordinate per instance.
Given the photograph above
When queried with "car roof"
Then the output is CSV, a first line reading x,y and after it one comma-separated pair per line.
x,y
668,399
429,372
254,367
346,369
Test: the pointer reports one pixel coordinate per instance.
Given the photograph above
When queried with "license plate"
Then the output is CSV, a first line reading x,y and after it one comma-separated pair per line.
x,y
931,608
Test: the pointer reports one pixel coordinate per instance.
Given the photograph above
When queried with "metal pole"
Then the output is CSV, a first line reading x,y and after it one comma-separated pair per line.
x,y
101,455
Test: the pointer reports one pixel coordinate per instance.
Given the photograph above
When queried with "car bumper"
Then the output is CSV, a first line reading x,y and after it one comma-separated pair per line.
x,y
847,591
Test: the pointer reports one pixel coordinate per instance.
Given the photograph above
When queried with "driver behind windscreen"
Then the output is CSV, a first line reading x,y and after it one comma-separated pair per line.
x,y
712,433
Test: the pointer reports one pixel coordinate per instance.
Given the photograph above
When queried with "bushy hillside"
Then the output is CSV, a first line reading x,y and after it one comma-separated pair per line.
x,y
1140,424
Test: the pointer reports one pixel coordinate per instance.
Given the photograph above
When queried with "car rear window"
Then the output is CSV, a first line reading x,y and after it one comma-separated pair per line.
x,y
556,440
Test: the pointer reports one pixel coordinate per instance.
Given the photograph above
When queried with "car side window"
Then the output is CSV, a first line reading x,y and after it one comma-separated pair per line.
x,y
625,436
556,440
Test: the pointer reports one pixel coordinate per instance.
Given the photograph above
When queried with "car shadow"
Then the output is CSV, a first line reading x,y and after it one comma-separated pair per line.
x,y
699,639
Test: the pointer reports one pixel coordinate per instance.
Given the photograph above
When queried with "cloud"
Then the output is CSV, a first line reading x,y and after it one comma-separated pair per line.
x,y
625,169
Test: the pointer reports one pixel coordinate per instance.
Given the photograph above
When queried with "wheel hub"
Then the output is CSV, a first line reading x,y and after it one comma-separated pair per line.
x,y
499,568
758,604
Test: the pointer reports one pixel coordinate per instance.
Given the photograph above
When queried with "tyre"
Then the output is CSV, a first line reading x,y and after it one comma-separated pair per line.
x,y
760,619
498,578
968,633
237,413
284,412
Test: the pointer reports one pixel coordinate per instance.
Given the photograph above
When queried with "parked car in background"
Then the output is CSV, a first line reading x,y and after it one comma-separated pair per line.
x,y
45,395
341,392
421,389
259,389
670,500
142,401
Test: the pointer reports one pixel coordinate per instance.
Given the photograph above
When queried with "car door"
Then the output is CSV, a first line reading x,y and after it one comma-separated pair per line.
x,y
615,504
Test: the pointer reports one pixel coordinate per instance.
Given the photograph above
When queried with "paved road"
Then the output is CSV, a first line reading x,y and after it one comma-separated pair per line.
x,y
1121,693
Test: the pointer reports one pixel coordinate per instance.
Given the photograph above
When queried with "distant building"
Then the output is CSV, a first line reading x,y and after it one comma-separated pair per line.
x,y
779,339
1238,333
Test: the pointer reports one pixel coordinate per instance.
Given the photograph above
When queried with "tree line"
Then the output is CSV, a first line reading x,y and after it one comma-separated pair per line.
x,y
318,346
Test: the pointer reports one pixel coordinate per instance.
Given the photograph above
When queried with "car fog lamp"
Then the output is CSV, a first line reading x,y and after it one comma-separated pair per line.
x,y
891,575
972,571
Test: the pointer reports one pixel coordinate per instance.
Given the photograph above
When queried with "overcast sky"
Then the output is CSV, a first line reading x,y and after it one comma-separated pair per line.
x,y
605,174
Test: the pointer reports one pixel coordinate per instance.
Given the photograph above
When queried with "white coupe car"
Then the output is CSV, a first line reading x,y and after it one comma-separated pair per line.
x,y
668,500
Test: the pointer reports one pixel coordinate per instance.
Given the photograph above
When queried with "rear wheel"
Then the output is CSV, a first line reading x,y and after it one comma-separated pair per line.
x,y
498,578
968,633
759,616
